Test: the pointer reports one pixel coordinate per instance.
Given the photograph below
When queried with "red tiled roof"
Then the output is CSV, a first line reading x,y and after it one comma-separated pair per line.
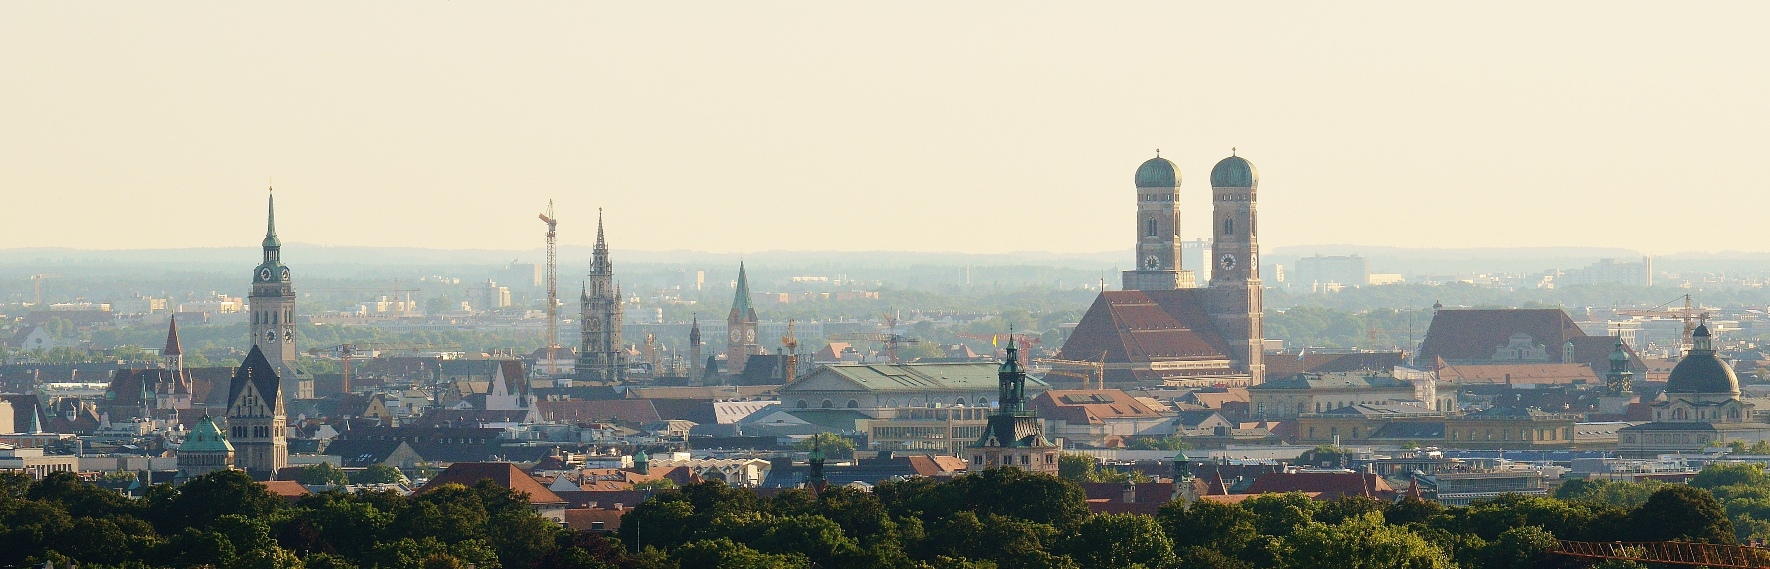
x,y
584,519
289,489
1091,406
937,465
1330,484
1144,326
501,473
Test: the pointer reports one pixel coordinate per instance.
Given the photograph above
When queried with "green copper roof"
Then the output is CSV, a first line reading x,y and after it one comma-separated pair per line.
x,y
270,231
740,304
1157,172
1234,172
206,437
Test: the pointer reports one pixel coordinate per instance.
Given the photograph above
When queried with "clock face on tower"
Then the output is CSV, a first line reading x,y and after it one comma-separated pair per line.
x,y
1151,263
285,274
288,336
1227,262
264,274
736,334
270,335
749,335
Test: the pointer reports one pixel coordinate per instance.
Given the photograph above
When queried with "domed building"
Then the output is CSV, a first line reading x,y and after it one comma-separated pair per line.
x,y
1700,408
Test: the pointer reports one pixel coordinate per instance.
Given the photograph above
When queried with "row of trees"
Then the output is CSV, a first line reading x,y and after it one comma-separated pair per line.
x,y
1000,518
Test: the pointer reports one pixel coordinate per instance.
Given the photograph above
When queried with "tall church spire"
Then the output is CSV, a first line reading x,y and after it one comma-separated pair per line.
x,y
174,350
270,227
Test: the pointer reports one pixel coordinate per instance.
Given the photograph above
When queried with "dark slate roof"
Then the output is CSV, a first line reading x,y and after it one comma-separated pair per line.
x,y
1702,372
1341,380
637,411
1464,335
256,369
1410,430
361,453
1142,326
1378,410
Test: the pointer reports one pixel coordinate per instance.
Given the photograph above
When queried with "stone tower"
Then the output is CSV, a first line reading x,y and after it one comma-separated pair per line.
x,y
741,327
1236,297
1014,436
272,307
1158,229
695,371
255,416
601,356
172,356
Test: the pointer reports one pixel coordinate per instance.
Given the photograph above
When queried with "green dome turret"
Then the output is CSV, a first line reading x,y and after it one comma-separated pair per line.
x,y
1234,172
1158,172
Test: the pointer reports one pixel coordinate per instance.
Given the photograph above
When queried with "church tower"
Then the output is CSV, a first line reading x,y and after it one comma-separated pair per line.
x,y
601,356
1236,296
255,416
695,372
1158,229
1014,436
741,327
272,307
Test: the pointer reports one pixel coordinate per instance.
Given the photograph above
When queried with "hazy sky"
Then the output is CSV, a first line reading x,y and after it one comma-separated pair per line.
x,y
969,127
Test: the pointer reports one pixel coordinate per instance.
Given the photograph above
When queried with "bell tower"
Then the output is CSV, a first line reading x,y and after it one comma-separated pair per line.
x,y
741,327
1158,229
1236,296
601,355
272,308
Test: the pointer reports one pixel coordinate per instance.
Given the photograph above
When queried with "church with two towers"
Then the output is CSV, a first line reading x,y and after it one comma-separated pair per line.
x,y
1163,328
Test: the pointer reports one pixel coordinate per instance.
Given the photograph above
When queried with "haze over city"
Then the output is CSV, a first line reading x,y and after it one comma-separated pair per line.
x,y
974,128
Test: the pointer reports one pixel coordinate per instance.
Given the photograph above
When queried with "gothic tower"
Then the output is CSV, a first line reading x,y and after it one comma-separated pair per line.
x,y
1014,436
272,307
741,341
172,356
1158,229
695,371
601,356
255,416
1236,297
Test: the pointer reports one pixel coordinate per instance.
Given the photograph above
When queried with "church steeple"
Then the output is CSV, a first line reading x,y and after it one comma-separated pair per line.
x,y
1011,382
173,353
271,242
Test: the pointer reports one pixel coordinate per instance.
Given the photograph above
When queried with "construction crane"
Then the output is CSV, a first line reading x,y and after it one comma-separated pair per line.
x,y
1096,370
37,282
1691,314
1667,552
891,341
346,352
552,283
1022,340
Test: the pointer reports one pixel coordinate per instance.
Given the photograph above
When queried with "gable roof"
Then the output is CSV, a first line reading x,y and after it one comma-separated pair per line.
x,y
1281,365
1470,335
625,410
1332,484
257,371
1530,373
504,474
1334,380
1147,326
1091,406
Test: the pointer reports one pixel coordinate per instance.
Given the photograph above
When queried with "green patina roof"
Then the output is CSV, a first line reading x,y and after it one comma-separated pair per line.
x,y
270,231
1234,172
1157,172
206,437
740,304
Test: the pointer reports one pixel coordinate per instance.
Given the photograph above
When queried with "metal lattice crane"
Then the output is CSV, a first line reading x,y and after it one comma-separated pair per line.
x,y
552,284
1691,314
889,337
1024,341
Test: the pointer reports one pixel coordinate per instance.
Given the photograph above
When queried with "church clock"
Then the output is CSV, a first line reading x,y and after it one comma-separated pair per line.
x,y
1227,262
1152,263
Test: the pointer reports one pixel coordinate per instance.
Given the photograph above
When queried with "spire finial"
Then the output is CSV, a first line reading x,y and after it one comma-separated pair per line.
x,y
1232,151
1158,153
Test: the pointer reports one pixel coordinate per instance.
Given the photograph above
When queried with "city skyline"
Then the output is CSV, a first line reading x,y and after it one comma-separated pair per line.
x,y
809,128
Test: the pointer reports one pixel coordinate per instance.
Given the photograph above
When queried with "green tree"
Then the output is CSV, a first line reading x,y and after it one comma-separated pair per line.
x,y
1121,540
833,445
1076,467
1364,542
1519,548
1681,513
379,474
658,484
203,499
322,474
1730,474
1280,514
726,554
1221,527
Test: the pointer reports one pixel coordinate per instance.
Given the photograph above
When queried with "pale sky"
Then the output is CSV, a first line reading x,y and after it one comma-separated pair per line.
x,y
916,126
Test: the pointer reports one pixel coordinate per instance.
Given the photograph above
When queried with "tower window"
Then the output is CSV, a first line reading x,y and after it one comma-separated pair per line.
x,y
1228,226
1149,226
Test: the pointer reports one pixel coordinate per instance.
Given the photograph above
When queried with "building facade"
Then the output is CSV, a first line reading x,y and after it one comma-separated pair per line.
x,y
601,355
256,419
1701,407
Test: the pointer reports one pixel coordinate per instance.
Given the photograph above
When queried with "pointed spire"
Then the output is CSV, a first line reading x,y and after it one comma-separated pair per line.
x,y
173,348
740,304
270,227
36,419
599,242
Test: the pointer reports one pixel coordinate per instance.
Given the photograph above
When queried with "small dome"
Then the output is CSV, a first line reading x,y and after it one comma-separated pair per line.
x,y
1158,172
1234,172
1619,355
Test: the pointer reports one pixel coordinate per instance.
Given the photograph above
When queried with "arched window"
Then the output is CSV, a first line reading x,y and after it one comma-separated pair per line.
x,y
828,404
1228,226
983,402
960,402
801,404
1149,227
852,404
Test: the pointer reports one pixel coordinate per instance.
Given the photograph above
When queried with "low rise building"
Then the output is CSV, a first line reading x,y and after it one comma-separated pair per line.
x,y
1099,417
32,461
